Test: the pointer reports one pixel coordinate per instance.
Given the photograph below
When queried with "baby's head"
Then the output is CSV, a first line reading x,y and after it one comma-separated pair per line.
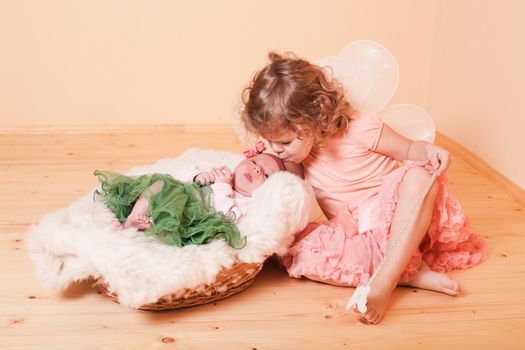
x,y
292,96
252,172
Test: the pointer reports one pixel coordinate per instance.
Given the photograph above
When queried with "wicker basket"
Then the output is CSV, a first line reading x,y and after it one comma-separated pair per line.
x,y
228,282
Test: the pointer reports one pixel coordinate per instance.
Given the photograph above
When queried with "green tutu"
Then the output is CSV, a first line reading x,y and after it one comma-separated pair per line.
x,y
181,212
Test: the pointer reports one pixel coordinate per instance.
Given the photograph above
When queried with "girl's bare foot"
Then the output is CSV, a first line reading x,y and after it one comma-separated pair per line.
x,y
376,302
435,281
140,222
425,279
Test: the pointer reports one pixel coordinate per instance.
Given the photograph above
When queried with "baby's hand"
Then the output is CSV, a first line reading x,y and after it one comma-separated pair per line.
x,y
222,174
205,178
439,159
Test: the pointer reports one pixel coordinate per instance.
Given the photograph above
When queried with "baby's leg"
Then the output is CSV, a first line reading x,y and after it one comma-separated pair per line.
x,y
398,256
138,218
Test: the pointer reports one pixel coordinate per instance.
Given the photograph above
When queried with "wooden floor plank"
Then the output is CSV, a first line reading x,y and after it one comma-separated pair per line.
x,y
41,173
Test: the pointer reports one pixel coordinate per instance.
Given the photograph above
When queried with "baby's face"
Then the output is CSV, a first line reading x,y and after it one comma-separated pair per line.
x,y
253,172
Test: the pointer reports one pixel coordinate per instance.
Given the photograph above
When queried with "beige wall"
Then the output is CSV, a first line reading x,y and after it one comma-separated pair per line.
x,y
135,62
88,63
476,87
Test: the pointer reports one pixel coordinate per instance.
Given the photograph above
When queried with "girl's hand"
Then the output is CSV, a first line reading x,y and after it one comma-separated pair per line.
x,y
222,174
438,157
205,178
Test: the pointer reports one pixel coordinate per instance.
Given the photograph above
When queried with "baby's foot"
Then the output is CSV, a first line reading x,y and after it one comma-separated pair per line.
x,y
118,225
435,281
376,302
140,222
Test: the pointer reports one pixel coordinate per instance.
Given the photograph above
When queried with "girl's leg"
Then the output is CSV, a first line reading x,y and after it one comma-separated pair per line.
x,y
327,281
138,218
425,278
398,256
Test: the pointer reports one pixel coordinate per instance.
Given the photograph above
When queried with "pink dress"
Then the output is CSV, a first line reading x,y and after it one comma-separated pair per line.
x,y
357,189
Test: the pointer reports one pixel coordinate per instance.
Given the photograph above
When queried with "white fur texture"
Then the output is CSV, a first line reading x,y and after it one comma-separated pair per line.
x,y
79,241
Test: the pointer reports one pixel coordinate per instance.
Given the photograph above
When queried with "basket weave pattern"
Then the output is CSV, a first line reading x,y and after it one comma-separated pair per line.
x,y
228,282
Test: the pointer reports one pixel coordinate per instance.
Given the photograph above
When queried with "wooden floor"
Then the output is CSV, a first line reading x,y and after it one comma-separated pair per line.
x,y
40,173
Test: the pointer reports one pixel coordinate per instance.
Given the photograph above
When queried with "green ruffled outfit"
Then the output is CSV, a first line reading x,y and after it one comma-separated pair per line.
x,y
181,212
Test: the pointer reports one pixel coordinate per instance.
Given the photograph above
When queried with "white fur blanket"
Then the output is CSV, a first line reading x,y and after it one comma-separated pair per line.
x,y
79,241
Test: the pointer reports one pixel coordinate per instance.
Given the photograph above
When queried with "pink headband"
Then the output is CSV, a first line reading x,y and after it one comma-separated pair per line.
x,y
259,148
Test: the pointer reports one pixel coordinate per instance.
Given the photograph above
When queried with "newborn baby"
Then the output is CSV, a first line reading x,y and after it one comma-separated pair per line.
x,y
168,206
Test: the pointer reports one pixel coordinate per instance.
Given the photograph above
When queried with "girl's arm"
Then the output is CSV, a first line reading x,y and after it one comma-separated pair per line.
x,y
399,147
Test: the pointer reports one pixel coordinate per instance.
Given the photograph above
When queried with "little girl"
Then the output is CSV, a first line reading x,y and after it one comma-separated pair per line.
x,y
351,159
183,209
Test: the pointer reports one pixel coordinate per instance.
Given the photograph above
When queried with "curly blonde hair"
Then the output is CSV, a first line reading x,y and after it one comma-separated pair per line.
x,y
290,93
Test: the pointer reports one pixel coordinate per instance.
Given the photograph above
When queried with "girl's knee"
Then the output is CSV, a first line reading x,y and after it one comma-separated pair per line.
x,y
417,176
416,180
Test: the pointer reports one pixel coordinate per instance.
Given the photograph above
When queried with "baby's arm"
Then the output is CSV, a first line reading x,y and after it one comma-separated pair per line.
x,y
205,178
223,200
188,173
221,184
193,174
401,148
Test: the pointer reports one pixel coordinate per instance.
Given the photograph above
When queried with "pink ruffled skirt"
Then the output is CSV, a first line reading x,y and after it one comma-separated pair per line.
x,y
335,251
